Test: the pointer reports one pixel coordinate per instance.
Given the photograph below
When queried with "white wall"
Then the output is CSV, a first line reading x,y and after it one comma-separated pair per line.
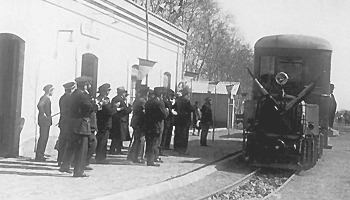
x,y
51,58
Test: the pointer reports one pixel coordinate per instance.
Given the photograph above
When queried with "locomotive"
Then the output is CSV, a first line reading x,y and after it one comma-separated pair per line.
x,y
285,123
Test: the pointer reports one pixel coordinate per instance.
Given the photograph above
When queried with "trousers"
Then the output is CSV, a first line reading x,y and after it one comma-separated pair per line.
x,y
42,142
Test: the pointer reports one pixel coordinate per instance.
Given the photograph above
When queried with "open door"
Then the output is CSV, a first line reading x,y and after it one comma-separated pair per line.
x,y
11,80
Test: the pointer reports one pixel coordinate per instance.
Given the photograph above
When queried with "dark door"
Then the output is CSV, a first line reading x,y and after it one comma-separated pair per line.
x,y
90,68
11,80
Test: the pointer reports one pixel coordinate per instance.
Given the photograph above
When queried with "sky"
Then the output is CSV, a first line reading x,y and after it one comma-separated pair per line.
x,y
327,19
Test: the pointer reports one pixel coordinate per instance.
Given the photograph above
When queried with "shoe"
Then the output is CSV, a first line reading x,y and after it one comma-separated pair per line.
x,y
153,165
168,148
65,170
88,168
139,161
80,175
102,162
163,154
40,159
204,145
158,160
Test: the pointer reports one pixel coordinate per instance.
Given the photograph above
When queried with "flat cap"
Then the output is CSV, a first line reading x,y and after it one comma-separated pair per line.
x,y
121,89
69,85
48,87
104,87
83,79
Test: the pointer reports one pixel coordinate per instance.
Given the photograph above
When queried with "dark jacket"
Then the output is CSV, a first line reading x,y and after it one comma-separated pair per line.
x,y
80,109
64,105
138,117
207,116
184,109
44,115
104,116
155,113
120,120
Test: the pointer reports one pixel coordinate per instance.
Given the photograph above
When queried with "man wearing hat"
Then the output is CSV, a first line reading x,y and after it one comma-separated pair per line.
x,y
104,122
64,136
120,122
155,113
79,109
182,122
206,120
44,122
167,132
138,125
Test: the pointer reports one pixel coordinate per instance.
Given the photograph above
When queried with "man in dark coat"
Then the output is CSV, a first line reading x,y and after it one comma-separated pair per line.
x,y
62,124
182,122
120,122
138,125
168,122
207,120
80,109
332,106
155,113
104,123
44,122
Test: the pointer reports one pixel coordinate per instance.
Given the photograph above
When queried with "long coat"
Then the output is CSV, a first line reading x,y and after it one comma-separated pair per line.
x,y
104,116
120,120
64,106
155,113
138,117
80,109
184,109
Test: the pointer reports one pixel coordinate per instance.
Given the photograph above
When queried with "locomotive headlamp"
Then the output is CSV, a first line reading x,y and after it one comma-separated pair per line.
x,y
281,78
311,126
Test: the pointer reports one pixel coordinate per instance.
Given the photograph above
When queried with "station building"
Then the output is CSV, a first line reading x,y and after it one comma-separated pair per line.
x,y
54,41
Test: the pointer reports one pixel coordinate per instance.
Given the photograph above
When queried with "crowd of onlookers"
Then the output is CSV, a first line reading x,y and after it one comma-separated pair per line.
x,y
87,123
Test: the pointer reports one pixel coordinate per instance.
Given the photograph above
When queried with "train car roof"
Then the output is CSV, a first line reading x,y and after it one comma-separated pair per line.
x,y
293,41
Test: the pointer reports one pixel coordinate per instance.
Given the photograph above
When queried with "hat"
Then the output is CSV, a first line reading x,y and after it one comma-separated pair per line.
x,y
158,91
48,87
69,85
143,89
83,79
185,90
208,99
121,89
104,87
170,92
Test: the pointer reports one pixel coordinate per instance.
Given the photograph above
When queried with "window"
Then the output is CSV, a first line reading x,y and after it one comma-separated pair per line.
x,y
167,80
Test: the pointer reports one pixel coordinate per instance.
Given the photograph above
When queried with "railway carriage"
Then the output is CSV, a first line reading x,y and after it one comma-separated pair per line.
x,y
286,121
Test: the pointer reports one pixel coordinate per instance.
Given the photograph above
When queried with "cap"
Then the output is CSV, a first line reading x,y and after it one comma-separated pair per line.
x,y
121,89
48,87
83,79
69,85
104,87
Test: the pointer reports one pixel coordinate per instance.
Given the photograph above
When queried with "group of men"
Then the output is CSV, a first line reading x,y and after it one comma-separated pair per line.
x,y
155,112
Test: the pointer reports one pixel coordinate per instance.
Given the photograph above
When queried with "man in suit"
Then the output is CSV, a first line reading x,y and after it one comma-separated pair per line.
x,y
155,113
138,125
44,122
184,109
104,123
120,122
79,109
63,137
206,120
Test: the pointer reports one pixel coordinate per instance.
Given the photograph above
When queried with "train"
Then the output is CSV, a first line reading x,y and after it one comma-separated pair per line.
x,y
285,122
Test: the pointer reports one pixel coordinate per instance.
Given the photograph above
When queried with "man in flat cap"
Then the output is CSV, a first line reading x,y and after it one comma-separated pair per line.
x,y
182,121
79,113
206,120
155,113
139,125
104,122
120,122
64,136
44,122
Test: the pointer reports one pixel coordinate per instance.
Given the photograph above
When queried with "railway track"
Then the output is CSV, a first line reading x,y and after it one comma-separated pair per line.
x,y
259,184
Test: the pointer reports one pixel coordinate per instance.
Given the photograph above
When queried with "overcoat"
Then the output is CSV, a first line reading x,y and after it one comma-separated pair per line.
x,y
184,109
120,120
63,104
155,113
104,116
44,115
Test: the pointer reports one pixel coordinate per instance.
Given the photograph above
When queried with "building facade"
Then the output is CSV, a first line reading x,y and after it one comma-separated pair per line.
x,y
54,41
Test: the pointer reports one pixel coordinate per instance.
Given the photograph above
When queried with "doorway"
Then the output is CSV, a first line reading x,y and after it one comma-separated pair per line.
x,y
11,83
90,68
